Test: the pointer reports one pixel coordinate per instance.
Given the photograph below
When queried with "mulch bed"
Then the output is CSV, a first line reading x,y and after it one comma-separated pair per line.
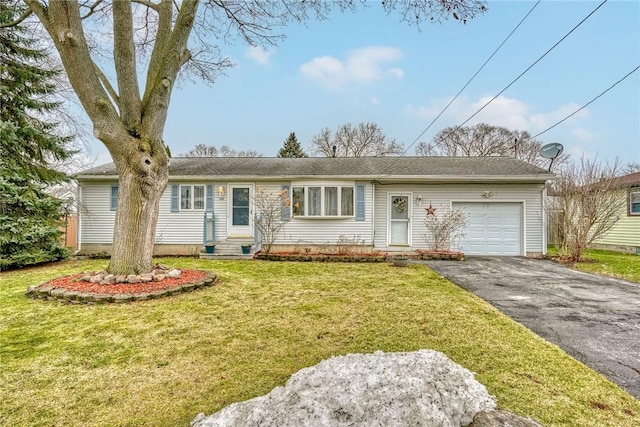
x,y
71,289
368,257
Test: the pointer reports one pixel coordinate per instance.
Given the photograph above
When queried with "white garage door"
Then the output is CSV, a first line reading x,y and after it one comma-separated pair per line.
x,y
492,228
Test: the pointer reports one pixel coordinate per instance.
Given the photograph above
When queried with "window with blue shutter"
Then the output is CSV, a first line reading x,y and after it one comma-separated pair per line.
x,y
360,202
114,197
285,208
174,198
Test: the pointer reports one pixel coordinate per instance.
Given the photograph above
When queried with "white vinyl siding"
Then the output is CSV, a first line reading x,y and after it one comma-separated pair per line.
x,y
173,227
442,196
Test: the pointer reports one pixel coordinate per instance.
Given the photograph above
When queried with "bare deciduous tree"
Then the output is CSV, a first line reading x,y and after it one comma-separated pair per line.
x,y
364,140
269,221
486,140
444,230
631,167
202,150
164,38
584,205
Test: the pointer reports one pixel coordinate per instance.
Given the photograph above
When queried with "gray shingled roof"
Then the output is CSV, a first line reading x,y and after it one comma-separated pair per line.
x,y
373,168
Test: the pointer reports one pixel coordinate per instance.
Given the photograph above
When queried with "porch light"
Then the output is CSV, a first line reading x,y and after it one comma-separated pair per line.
x,y
419,199
220,191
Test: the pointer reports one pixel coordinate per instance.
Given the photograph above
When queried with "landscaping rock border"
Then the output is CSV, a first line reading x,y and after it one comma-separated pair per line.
x,y
77,297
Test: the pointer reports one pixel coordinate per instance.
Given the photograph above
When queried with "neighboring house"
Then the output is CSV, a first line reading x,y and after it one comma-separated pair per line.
x,y
380,200
69,218
625,234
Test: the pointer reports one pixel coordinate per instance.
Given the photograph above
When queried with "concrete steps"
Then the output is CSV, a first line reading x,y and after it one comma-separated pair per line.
x,y
230,249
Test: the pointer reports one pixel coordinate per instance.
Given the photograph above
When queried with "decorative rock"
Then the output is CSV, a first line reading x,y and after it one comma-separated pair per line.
x,y
71,295
121,279
159,277
86,278
145,278
96,279
174,273
132,278
502,418
57,293
45,290
122,298
417,388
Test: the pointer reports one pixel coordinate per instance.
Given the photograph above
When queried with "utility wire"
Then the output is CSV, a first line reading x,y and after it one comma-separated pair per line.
x,y
530,66
530,138
518,78
468,82
472,77
587,104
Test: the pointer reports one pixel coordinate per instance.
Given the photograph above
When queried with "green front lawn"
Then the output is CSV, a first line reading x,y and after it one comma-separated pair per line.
x,y
161,362
609,263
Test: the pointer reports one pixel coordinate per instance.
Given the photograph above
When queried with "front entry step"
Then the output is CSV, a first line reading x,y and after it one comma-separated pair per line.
x,y
230,249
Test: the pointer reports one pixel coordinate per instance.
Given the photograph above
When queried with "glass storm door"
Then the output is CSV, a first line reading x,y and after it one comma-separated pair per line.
x,y
399,219
240,212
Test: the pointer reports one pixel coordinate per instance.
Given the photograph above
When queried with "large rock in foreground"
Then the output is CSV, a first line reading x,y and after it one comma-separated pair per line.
x,y
422,388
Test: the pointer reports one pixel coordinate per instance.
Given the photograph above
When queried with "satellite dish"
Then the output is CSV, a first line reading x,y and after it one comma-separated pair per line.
x,y
551,151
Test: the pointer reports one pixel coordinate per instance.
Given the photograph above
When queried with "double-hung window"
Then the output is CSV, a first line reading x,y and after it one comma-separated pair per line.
x,y
323,201
191,197
634,201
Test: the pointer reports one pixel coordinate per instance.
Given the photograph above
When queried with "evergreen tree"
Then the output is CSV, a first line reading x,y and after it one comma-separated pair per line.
x,y
29,218
292,147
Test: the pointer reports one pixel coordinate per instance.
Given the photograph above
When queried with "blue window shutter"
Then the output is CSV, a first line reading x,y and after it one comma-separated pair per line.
x,y
209,203
360,202
285,209
114,197
174,198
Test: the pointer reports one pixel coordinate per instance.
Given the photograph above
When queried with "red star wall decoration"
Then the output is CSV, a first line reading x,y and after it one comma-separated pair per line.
x,y
430,210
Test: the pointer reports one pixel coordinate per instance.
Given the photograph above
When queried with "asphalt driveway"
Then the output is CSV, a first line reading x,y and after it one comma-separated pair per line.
x,y
593,318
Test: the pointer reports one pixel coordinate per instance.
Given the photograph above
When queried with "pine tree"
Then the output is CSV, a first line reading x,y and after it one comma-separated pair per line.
x,y
29,218
292,147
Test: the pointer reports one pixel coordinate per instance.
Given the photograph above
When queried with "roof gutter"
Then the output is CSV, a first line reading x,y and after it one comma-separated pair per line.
x,y
384,179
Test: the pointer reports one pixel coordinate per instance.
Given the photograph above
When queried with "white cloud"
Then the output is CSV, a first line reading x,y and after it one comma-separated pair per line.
x,y
583,134
503,111
545,120
360,66
396,72
259,55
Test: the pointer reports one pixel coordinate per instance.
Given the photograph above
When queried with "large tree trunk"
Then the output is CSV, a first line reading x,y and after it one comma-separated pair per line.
x,y
142,180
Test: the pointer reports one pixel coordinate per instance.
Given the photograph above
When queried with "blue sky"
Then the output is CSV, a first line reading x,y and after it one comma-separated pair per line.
x,y
370,67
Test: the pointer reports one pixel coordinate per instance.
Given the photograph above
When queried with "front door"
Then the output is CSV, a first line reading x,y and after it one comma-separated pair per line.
x,y
399,220
240,211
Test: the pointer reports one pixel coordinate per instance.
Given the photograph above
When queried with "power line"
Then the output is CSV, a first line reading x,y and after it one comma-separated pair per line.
x,y
469,81
451,132
472,77
588,103
577,110
530,66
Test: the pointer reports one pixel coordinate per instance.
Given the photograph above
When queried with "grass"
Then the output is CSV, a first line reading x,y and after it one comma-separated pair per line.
x,y
609,263
161,362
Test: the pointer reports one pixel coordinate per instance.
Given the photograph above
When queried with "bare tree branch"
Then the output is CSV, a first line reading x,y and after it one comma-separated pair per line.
x,y
364,140
148,4
92,9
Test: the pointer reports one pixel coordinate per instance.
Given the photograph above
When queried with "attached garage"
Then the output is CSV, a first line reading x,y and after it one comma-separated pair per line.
x,y
492,228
